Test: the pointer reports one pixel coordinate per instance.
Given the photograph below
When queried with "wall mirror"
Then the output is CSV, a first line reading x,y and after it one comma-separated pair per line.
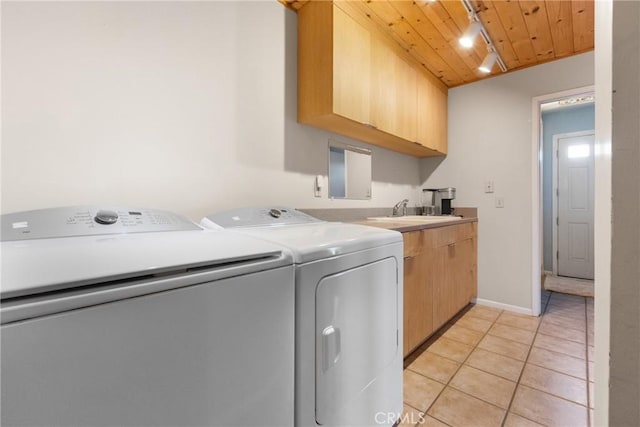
x,y
349,171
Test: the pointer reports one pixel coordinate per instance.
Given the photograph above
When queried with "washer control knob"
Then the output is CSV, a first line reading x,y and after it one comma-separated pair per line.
x,y
106,217
275,213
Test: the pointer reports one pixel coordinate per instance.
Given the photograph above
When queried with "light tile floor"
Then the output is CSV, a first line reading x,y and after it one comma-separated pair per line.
x,y
490,367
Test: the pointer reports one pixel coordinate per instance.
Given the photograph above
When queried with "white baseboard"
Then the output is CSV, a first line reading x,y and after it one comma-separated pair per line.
x,y
547,273
502,306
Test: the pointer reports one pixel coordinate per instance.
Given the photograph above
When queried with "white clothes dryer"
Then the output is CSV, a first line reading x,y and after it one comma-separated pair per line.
x,y
348,339
131,317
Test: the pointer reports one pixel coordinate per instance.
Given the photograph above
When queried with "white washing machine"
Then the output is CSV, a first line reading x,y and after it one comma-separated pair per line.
x,y
130,317
348,314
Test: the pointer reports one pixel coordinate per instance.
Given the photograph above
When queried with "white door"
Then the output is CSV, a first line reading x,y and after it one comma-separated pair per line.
x,y
575,204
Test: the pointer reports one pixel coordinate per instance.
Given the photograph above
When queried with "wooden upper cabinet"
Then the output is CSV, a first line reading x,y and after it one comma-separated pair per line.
x,y
393,100
432,111
352,81
351,68
406,115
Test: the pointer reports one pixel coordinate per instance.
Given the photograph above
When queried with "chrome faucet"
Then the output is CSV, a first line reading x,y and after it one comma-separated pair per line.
x,y
401,204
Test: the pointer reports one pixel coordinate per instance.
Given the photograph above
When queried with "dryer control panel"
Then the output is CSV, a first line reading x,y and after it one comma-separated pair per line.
x,y
89,221
257,217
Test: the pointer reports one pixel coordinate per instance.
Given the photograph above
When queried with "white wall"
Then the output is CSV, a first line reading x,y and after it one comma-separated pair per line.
x,y
185,106
490,139
624,381
603,214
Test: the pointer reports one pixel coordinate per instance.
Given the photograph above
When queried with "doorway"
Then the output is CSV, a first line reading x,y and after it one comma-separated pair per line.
x,y
567,186
537,181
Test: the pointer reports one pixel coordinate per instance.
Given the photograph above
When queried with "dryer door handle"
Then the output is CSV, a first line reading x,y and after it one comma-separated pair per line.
x,y
330,347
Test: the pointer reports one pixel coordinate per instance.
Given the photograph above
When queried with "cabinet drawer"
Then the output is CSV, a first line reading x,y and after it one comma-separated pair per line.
x,y
413,243
447,235
466,231
441,236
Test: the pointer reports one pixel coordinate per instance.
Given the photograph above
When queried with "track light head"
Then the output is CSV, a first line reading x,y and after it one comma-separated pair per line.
x,y
489,62
470,34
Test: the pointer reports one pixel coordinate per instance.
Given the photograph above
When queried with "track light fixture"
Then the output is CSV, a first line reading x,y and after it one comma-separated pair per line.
x,y
475,28
472,32
489,62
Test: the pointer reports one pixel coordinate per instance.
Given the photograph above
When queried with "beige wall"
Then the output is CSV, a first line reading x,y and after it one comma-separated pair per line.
x,y
185,106
490,139
624,395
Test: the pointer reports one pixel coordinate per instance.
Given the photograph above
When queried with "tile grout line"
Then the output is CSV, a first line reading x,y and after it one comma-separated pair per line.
x,y
554,395
525,362
462,364
425,412
525,365
475,346
458,369
559,372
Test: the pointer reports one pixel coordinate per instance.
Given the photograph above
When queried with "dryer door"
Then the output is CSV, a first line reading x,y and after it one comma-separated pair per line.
x,y
356,343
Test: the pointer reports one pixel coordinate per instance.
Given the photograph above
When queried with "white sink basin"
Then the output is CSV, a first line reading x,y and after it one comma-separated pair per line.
x,y
415,219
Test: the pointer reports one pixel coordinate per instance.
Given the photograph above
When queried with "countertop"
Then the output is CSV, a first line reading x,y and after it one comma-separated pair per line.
x,y
403,227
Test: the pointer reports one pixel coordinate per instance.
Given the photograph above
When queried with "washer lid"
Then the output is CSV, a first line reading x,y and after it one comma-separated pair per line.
x,y
258,217
36,265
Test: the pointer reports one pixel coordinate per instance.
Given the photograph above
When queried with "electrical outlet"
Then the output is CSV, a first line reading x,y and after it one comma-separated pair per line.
x,y
499,202
488,187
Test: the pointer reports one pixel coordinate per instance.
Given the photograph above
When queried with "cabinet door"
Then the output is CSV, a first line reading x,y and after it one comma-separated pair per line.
x,y
413,243
393,93
351,68
418,311
431,114
473,285
466,270
406,97
461,263
443,275
452,269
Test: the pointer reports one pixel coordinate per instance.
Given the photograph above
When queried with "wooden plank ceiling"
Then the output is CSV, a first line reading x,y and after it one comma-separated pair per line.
x,y
525,33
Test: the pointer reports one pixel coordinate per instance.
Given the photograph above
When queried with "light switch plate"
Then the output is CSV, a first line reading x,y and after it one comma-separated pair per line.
x,y
317,186
499,202
488,187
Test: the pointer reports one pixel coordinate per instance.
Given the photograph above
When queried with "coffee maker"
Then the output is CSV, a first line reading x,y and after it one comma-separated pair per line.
x,y
446,195
440,203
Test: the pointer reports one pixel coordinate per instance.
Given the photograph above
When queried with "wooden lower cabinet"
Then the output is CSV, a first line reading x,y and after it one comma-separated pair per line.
x,y
444,289
454,279
467,269
440,278
418,320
